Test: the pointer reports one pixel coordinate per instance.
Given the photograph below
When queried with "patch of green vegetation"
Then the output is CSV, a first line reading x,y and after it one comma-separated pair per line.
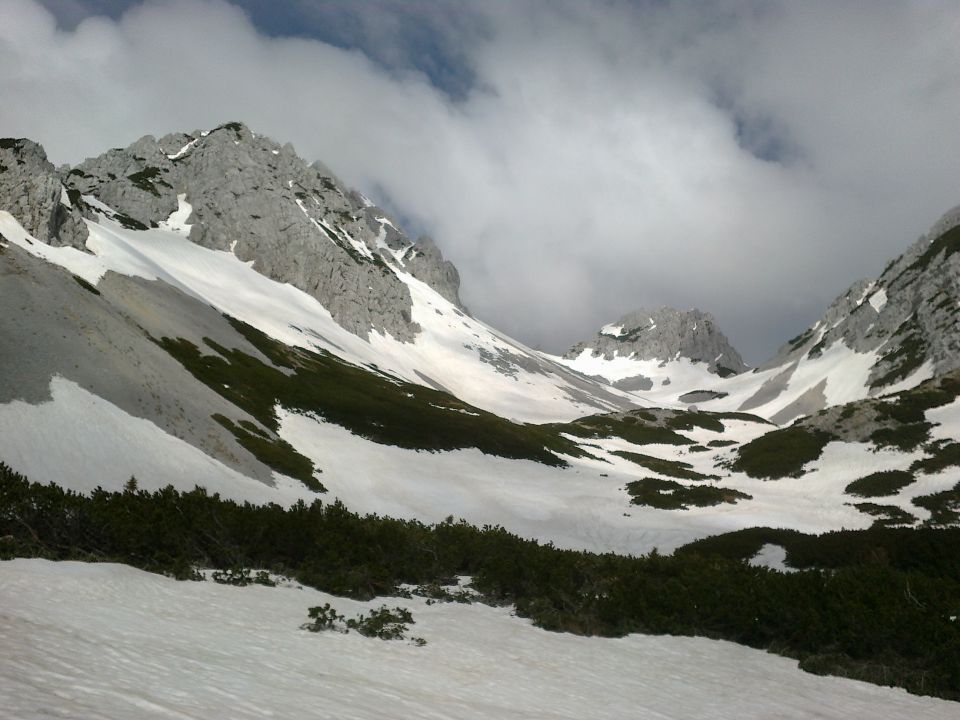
x,y
147,180
689,420
745,417
671,495
11,143
886,599
241,577
601,426
698,448
910,406
801,339
887,515
643,415
848,411
817,350
253,427
910,550
673,468
129,223
73,195
903,437
702,396
86,285
233,126
907,357
944,506
382,623
275,453
721,443
941,458
781,453
948,244
879,484
369,404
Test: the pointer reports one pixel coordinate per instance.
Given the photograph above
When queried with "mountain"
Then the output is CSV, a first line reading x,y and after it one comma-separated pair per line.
x,y
657,347
217,356
376,298
879,337
208,307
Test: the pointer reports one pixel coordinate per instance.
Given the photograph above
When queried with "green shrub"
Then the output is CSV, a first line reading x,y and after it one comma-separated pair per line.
x,y
147,180
878,484
373,405
671,495
886,515
241,577
275,453
884,595
690,420
941,458
944,506
721,443
780,453
382,623
902,437
673,468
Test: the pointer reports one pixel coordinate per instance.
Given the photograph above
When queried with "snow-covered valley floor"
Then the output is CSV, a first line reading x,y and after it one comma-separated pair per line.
x,y
108,641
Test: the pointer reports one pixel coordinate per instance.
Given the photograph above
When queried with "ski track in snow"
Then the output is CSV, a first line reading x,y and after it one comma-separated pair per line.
x,y
111,642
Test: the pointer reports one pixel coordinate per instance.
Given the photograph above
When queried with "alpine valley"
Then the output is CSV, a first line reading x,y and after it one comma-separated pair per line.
x,y
209,310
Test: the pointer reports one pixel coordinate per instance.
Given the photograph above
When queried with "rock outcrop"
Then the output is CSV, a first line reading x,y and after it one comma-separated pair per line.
x,y
31,191
665,334
296,221
909,316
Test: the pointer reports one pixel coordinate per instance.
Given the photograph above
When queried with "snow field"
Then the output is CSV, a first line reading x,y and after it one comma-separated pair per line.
x,y
79,441
112,642
447,350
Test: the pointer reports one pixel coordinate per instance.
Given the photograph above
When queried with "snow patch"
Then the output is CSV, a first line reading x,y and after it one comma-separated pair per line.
x,y
879,299
112,642
98,444
185,149
177,222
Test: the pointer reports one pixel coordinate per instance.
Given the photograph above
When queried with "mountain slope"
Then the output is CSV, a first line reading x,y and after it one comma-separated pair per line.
x,y
881,336
182,356
323,271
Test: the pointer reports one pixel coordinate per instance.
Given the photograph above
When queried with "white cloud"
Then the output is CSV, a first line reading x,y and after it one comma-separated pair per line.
x,y
602,159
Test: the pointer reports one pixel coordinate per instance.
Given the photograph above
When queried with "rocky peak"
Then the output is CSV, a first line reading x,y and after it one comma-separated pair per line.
x,y
665,334
296,221
909,316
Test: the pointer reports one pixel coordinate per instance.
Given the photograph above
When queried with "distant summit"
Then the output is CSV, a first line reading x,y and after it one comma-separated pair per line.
x,y
665,334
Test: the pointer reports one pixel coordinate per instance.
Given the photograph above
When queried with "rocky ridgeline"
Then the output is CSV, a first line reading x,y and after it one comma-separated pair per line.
x,y
665,334
251,196
909,316
31,191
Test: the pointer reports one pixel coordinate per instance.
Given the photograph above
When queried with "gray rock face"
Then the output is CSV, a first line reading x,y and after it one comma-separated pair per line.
x,y
295,221
909,316
666,334
425,262
31,191
102,342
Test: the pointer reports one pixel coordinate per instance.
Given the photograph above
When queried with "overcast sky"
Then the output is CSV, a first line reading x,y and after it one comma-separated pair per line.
x,y
575,160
